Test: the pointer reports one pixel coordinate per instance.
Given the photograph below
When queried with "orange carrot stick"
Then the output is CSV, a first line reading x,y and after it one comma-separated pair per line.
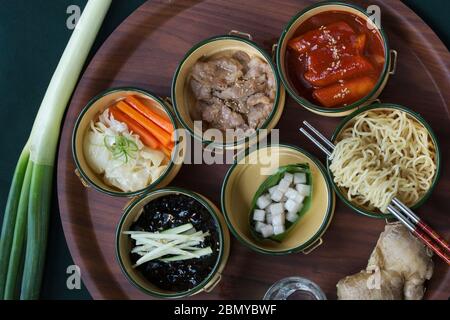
x,y
147,138
150,114
161,135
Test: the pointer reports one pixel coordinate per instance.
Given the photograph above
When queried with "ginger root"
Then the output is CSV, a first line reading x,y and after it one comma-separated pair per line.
x,y
397,269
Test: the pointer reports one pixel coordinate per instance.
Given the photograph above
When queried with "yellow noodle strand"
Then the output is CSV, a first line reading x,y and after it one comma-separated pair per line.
x,y
384,154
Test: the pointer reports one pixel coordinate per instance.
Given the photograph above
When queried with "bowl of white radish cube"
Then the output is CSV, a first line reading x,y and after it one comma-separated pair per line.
x,y
278,200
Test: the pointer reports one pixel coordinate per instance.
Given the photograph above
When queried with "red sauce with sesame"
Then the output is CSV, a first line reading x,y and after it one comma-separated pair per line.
x,y
334,59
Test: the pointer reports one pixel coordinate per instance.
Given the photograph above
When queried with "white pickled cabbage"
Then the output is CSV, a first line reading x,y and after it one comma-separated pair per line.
x,y
133,172
97,155
155,156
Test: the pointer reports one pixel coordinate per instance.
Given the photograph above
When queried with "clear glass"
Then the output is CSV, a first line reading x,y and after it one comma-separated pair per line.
x,y
294,288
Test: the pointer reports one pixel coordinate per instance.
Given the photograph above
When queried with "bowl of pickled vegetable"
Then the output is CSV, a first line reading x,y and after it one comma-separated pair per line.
x,y
172,243
125,142
278,200
333,58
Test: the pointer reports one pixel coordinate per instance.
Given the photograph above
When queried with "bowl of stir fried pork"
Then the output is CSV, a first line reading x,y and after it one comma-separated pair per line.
x,y
226,91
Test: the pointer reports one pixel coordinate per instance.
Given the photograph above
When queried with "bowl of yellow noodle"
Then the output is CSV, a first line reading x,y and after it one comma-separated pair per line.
x,y
383,151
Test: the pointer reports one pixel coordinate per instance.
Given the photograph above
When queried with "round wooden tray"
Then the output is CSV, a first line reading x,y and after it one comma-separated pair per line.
x,y
144,52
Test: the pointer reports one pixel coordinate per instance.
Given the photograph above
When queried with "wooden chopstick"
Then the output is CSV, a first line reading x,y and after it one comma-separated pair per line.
x,y
435,247
421,224
415,224
429,242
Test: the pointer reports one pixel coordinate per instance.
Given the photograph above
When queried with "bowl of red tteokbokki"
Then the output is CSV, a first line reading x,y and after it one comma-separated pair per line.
x,y
333,58
125,142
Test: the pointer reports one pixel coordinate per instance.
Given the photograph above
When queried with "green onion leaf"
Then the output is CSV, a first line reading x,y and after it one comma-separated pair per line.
x,y
41,151
9,218
121,147
15,268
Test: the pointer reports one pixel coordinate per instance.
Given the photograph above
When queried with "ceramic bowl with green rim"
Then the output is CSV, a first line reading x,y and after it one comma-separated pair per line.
x,y
92,110
384,107
389,66
124,244
184,101
245,176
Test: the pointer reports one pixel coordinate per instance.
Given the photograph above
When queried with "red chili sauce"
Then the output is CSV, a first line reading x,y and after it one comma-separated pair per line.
x,y
334,59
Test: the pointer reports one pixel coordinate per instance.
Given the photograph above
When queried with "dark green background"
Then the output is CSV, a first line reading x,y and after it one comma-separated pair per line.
x,y
33,35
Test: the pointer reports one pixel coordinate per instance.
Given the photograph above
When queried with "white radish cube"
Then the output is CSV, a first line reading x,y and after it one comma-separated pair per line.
x,y
292,217
278,219
303,189
263,201
299,198
277,195
276,208
288,177
268,218
267,231
291,206
259,226
259,215
299,177
278,229
283,185
271,190
291,193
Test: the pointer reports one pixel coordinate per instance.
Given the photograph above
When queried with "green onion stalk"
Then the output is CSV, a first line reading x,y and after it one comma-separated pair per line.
x,y
25,225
